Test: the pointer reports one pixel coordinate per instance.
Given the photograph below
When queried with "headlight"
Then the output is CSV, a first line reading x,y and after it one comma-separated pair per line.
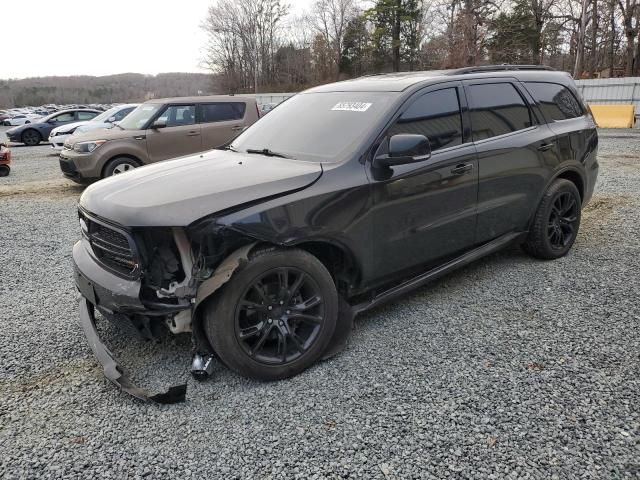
x,y
87,147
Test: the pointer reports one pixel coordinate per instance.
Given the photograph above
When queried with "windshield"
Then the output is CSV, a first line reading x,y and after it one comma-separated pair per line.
x,y
105,115
318,127
140,116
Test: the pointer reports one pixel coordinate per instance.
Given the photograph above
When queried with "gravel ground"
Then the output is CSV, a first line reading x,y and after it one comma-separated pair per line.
x,y
510,368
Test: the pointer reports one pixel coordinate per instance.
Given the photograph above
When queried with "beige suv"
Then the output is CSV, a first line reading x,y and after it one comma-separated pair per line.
x,y
157,130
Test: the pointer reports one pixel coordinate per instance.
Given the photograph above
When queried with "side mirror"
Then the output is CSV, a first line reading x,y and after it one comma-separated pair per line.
x,y
404,148
159,123
111,119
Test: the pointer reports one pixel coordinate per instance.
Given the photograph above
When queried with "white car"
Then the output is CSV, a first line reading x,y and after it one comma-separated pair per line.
x,y
21,119
106,119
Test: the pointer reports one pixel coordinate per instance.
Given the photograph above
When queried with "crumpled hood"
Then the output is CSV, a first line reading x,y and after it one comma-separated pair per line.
x,y
178,192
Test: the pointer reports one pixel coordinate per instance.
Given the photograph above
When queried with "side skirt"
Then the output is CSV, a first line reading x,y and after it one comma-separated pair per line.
x,y
438,272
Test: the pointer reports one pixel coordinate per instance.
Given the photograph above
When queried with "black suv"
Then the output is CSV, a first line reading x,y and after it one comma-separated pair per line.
x,y
343,197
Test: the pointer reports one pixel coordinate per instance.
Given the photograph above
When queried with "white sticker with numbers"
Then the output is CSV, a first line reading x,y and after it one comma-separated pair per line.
x,y
352,106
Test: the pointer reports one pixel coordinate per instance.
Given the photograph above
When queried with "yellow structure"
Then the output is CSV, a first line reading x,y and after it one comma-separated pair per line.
x,y
614,116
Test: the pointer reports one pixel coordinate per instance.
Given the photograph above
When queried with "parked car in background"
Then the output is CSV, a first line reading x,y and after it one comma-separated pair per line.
x,y
59,135
5,160
267,249
157,130
267,107
21,119
35,132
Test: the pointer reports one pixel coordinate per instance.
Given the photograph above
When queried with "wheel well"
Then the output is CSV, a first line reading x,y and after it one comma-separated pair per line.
x,y
131,157
338,261
576,179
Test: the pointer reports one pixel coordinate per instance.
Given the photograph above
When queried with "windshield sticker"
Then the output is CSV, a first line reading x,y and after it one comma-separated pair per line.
x,y
352,106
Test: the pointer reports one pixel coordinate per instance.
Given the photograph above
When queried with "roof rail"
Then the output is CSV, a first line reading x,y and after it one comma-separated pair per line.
x,y
497,68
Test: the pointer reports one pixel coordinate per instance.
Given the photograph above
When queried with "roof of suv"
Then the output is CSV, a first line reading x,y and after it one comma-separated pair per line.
x,y
399,81
201,99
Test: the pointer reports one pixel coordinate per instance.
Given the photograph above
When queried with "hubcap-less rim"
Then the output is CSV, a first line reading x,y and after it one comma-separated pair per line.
x,y
562,222
279,316
122,167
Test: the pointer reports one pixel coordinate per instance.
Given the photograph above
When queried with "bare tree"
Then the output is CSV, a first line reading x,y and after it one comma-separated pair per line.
x,y
331,20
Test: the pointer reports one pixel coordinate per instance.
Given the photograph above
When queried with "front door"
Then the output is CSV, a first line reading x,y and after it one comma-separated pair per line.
x,y
426,211
181,136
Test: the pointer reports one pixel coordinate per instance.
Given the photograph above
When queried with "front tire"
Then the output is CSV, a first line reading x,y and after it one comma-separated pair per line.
x,y
4,170
275,317
556,223
120,165
31,138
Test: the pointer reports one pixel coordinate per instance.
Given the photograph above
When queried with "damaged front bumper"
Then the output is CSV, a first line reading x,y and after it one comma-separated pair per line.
x,y
113,295
113,371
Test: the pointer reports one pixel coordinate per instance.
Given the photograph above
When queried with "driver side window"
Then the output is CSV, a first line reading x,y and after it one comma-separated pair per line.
x,y
64,117
179,115
436,115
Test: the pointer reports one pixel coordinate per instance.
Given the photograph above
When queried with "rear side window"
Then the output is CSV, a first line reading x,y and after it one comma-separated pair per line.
x,y
220,112
496,109
436,115
556,101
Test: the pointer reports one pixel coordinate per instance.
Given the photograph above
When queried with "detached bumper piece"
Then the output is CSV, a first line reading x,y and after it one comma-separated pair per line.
x,y
113,371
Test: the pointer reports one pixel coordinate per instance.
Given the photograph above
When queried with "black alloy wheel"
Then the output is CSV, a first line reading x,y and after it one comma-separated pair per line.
x,y
555,225
276,315
280,316
561,228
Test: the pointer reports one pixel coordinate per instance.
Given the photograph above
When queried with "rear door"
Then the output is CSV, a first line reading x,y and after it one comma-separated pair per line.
x,y
221,122
515,155
180,137
426,211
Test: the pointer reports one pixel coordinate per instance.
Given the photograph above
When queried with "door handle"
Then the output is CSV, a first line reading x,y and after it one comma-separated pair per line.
x,y
546,146
237,127
193,134
462,169
140,137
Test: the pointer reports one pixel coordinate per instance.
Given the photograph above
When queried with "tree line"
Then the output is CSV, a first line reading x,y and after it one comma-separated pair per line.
x,y
127,87
260,45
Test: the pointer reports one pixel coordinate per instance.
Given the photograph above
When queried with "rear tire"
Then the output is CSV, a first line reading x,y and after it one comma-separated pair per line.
x,y
4,170
120,165
31,137
275,317
556,222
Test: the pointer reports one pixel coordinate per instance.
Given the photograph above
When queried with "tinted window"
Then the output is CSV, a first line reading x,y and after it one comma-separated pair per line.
x,y
436,115
496,109
86,115
219,112
556,101
177,115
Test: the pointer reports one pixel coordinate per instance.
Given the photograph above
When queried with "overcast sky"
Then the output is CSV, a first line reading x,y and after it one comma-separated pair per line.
x,y
102,37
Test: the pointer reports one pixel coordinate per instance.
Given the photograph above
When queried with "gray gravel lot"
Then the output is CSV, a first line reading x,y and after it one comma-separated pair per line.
x,y
510,368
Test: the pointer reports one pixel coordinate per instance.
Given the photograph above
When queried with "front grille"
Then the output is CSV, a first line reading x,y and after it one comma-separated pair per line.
x,y
110,246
